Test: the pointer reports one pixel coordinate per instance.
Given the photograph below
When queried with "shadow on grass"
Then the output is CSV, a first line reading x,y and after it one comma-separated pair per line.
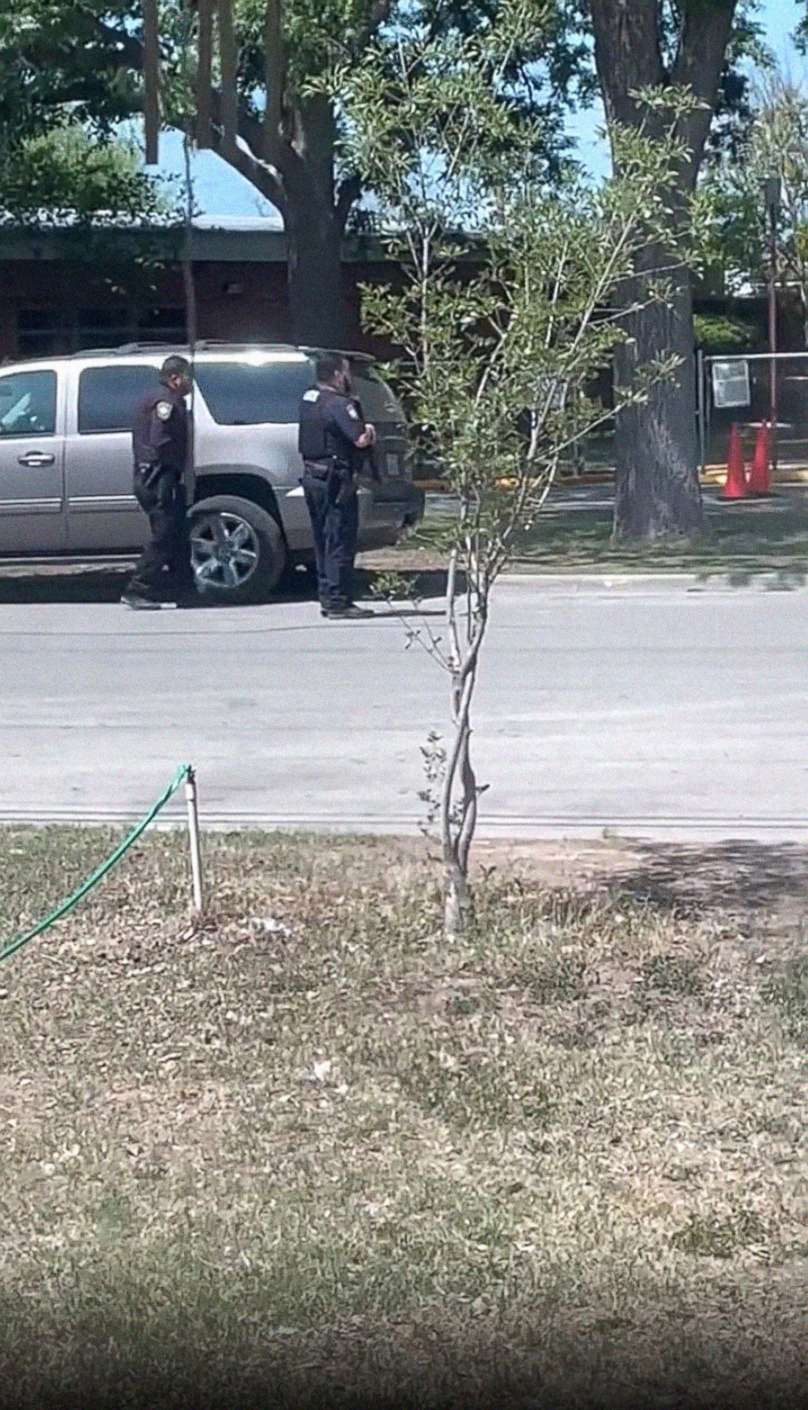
x,y
420,585
573,533
747,878
740,543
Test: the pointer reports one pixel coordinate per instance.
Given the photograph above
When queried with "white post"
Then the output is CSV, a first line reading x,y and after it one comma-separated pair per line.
x,y
193,836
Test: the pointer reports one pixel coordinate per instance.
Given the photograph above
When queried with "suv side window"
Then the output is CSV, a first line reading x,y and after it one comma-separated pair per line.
x,y
108,397
28,404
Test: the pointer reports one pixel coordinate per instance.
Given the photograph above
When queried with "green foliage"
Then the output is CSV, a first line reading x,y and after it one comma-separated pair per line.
x,y
731,202
93,185
723,333
496,360
67,175
64,85
497,351
57,57
747,54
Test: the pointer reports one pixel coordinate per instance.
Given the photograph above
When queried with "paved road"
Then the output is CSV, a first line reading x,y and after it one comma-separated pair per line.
x,y
643,706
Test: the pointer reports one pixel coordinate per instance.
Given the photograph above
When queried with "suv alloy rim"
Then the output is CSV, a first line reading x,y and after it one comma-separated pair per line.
x,y
224,551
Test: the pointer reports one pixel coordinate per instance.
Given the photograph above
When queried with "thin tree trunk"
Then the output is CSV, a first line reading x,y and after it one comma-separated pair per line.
x,y
457,902
458,805
457,833
657,491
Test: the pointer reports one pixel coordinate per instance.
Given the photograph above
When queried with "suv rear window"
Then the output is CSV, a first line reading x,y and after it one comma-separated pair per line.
x,y
378,401
108,397
246,394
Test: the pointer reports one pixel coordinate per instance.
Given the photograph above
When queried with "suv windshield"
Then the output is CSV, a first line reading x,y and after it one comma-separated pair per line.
x,y
251,393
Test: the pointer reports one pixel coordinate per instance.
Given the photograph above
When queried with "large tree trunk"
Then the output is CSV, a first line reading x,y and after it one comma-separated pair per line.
x,y
657,491
295,171
656,469
314,265
314,219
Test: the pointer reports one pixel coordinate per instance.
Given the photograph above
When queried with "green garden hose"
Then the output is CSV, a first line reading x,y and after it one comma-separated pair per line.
x,y
100,871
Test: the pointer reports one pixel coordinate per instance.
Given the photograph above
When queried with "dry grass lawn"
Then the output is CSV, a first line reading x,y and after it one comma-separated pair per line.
x,y
309,1155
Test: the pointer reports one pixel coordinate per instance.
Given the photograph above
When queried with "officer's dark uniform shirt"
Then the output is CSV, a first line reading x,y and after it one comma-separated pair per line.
x,y
330,426
160,431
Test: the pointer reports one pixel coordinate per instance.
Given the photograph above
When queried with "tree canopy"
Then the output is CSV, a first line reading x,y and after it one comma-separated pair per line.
x,y
66,175
732,195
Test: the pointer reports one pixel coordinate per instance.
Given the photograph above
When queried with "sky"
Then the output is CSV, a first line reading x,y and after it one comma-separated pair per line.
x,y
220,191
780,19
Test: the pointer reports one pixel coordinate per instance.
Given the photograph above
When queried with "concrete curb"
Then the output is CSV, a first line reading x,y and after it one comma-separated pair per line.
x,y
766,580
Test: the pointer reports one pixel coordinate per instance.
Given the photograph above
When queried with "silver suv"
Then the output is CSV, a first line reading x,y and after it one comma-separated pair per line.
x,y
66,460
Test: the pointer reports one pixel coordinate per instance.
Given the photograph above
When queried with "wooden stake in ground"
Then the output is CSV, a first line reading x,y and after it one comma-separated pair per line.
x,y
194,840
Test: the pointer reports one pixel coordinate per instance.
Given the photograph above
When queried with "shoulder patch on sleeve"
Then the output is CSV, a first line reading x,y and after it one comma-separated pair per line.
x,y
352,412
164,410
313,395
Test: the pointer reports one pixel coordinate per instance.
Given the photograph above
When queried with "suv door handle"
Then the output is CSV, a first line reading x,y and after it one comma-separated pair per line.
x,y
35,459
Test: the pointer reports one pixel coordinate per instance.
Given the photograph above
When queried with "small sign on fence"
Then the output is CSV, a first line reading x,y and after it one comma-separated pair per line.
x,y
731,383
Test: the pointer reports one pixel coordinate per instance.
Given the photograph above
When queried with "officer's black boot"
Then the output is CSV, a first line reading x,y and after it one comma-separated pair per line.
x,y
139,598
185,592
351,613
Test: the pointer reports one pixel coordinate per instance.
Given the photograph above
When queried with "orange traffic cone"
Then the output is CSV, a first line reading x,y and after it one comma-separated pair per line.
x,y
759,473
735,483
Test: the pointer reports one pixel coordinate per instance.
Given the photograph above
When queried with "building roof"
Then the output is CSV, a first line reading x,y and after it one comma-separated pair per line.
x,y
223,239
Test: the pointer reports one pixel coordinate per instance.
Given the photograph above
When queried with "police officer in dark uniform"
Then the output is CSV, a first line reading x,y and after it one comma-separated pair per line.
x,y
160,446
333,439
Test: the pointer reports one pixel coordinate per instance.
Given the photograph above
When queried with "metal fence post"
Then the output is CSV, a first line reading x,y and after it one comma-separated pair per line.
x,y
700,401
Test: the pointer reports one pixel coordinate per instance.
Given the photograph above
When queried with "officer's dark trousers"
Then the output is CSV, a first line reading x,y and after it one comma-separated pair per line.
x,y
169,547
334,530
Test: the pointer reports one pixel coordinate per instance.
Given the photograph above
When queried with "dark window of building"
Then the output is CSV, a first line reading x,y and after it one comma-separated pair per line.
x,y
41,333
165,325
28,404
106,327
50,332
250,393
108,397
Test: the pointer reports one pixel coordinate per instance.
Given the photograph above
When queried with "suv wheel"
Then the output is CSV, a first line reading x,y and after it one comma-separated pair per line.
x,y
237,549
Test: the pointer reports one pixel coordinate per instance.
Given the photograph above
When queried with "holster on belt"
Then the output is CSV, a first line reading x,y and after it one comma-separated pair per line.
x,y
331,473
319,469
148,472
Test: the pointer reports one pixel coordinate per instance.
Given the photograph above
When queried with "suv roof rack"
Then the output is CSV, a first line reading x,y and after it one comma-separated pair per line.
x,y
115,351
202,345
341,352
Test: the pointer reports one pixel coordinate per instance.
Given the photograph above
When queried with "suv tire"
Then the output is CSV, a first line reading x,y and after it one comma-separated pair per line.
x,y
225,532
